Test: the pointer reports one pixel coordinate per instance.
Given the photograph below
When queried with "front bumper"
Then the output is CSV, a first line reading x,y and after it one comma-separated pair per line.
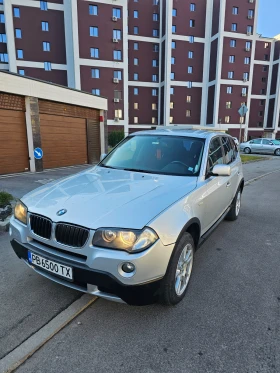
x,y
97,271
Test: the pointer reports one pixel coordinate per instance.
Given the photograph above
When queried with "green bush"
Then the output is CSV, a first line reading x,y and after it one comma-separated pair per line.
x,y
5,198
115,137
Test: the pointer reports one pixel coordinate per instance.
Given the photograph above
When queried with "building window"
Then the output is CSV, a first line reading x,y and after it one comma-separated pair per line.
x,y
235,10
173,44
246,76
172,90
170,120
248,45
94,52
247,60
262,102
135,105
95,73
46,46
250,13
189,99
188,113
174,12
93,31
263,91
266,45
265,68
154,78
2,18
189,84
93,10
154,92
20,54
118,74
18,33
155,2
155,63
135,120
136,30
191,39
135,14
4,57
171,105
45,26
264,79
117,12
233,43
229,90
155,48
192,23
154,106
135,76
174,29
244,91
21,72
228,105
95,91
266,57
234,27
16,12
117,55
192,7
172,76
3,38
135,46
172,60
118,95
190,69
43,5
155,17
227,119
153,120
135,61
231,59
260,113
190,54
249,29
117,34
118,113
230,74
47,66
135,91
260,124
155,33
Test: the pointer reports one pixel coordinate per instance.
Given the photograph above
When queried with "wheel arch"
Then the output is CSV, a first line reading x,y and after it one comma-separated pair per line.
x,y
193,227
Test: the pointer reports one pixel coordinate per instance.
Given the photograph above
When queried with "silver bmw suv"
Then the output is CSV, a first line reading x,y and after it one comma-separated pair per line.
x,y
127,229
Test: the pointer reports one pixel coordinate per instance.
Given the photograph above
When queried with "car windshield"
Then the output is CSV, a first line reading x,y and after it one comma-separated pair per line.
x,y
275,142
168,155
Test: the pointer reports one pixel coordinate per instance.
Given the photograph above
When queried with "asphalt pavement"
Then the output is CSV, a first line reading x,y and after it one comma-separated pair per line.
x,y
229,321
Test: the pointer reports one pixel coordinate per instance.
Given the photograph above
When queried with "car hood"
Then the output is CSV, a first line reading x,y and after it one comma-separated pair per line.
x,y
101,197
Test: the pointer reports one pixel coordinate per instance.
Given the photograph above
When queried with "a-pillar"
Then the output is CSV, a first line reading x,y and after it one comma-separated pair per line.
x,y
32,118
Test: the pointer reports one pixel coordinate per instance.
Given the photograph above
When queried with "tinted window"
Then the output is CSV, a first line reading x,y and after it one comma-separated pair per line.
x,y
258,141
228,150
266,142
215,153
167,155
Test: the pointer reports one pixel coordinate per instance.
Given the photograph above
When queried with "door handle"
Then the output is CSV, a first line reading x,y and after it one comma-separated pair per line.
x,y
228,184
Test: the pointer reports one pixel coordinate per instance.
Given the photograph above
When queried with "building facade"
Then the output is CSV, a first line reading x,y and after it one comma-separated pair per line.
x,y
158,62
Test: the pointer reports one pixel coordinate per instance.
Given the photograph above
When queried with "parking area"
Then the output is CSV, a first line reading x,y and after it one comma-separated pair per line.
x,y
228,322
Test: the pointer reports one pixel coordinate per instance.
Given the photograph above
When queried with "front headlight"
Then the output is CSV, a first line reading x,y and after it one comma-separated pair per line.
x,y
21,212
128,240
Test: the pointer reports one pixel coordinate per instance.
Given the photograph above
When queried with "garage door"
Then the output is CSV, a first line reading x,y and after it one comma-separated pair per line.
x,y
13,142
64,140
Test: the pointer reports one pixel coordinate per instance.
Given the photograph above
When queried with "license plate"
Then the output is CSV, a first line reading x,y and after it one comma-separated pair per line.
x,y
50,266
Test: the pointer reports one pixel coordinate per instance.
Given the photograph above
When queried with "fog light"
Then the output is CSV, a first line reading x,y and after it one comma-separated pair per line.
x,y
128,267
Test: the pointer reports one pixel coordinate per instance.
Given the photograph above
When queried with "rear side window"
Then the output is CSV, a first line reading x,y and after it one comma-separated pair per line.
x,y
235,150
228,150
215,153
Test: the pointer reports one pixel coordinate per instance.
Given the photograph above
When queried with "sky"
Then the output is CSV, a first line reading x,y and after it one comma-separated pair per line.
x,y
268,24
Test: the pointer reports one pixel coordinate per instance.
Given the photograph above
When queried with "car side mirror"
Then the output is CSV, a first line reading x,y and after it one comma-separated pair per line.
x,y
221,170
103,155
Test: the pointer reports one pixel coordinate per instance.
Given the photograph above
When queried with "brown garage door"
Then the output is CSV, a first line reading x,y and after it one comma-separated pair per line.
x,y
64,140
13,142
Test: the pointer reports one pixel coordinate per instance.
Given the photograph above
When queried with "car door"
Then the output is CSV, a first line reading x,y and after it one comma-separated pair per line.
x,y
267,146
217,195
256,146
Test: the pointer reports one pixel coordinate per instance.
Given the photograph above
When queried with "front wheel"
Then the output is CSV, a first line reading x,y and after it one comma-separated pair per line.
x,y
277,152
247,150
179,271
235,207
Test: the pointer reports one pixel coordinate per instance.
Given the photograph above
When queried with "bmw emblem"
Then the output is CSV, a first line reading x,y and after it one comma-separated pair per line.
x,y
61,212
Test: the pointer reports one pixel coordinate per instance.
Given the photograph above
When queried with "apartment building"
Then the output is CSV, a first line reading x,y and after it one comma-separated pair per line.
x,y
158,62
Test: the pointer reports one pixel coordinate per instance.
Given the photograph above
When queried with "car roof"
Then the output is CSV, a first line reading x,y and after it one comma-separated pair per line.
x,y
203,134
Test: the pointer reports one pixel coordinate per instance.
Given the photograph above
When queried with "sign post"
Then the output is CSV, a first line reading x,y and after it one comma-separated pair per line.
x,y
242,112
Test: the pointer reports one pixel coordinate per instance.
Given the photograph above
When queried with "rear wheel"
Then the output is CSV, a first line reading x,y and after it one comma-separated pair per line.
x,y
277,152
235,207
247,150
179,271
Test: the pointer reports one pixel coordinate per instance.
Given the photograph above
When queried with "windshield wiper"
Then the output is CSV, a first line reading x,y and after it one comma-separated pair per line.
x,y
104,165
138,170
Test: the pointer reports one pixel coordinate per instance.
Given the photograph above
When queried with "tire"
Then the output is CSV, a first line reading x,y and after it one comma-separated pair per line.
x,y
277,152
235,207
171,291
247,150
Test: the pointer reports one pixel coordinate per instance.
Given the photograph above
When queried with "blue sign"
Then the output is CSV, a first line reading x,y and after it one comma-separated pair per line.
x,y
38,153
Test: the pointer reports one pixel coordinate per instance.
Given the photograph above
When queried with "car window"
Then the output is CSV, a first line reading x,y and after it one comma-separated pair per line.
x,y
276,142
257,141
169,155
234,148
228,150
266,142
215,153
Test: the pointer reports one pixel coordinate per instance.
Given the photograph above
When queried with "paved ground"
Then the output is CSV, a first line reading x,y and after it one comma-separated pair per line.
x,y
229,322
